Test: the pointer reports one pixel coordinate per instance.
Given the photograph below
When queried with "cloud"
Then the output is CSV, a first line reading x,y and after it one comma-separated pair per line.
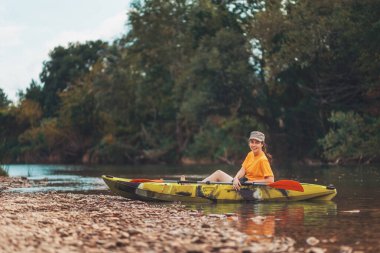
x,y
19,69
109,29
10,36
14,75
23,49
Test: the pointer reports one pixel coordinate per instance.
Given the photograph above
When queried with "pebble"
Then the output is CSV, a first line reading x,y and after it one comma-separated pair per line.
x,y
74,222
345,249
315,250
312,241
351,211
258,219
68,222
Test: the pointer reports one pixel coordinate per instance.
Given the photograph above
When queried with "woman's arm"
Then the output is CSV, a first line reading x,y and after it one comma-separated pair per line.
x,y
240,173
236,181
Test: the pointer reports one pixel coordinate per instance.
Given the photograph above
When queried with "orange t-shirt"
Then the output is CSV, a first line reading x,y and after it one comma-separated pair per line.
x,y
257,167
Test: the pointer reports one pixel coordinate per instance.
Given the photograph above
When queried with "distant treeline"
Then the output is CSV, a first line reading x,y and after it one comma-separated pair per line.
x,y
189,80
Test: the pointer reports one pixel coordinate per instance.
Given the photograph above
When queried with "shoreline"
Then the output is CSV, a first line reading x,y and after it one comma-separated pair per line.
x,y
77,222
67,222
71,222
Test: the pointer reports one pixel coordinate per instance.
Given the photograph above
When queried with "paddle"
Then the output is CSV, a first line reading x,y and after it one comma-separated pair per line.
x,y
284,184
143,180
287,184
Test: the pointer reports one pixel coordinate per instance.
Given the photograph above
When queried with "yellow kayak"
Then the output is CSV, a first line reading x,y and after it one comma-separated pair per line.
x,y
167,190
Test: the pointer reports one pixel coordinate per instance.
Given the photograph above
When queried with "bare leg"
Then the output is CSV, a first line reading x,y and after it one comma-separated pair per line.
x,y
218,176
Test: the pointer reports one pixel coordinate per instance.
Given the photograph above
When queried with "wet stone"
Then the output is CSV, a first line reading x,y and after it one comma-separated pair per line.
x,y
315,250
205,225
312,241
67,222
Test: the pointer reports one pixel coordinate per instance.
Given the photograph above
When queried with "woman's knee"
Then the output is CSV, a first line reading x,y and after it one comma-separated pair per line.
x,y
218,173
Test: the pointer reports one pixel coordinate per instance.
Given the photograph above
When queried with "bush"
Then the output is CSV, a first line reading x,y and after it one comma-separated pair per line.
x,y
352,137
223,140
3,171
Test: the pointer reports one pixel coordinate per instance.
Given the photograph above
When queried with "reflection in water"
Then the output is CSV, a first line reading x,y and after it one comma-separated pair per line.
x,y
44,178
358,189
263,221
88,178
62,183
84,178
259,228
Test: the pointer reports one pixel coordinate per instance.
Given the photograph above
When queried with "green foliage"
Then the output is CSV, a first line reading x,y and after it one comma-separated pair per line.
x,y
3,171
78,111
352,137
33,92
4,101
64,67
309,55
39,143
30,112
11,126
191,79
222,139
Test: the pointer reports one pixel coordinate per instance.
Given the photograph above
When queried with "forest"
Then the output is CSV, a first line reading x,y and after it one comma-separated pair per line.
x,y
190,79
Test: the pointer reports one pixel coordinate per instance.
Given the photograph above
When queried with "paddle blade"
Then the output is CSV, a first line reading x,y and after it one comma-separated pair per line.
x,y
143,180
287,185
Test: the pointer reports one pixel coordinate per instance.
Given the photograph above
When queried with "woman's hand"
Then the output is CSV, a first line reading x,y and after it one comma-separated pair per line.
x,y
236,183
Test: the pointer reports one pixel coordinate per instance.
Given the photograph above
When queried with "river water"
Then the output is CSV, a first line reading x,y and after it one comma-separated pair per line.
x,y
350,222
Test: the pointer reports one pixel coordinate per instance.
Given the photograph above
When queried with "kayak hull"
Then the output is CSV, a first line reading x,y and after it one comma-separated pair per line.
x,y
122,187
211,193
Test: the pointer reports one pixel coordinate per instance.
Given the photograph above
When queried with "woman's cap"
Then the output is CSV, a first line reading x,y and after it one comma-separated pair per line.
x,y
257,136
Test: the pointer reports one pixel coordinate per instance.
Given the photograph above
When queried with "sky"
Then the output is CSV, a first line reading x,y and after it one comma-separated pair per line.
x,y
29,30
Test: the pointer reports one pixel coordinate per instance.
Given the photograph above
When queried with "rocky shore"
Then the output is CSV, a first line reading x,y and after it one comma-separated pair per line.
x,y
59,222
13,182
67,222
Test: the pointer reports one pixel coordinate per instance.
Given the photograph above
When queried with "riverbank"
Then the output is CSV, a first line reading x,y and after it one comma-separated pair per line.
x,y
68,222
14,182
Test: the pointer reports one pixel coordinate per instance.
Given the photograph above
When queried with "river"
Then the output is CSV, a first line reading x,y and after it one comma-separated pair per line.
x,y
351,220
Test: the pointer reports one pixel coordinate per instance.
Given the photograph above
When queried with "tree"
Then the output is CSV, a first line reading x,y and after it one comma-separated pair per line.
x,y
193,78
4,101
155,55
33,92
64,67
307,55
352,137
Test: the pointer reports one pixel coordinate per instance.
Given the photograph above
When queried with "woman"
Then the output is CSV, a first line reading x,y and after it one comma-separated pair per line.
x,y
255,168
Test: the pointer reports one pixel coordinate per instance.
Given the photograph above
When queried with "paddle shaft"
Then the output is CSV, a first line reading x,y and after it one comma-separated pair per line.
x,y
281,184
189,182
224,183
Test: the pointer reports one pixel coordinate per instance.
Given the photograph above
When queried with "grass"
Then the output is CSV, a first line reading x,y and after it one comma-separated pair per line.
x,y
3,171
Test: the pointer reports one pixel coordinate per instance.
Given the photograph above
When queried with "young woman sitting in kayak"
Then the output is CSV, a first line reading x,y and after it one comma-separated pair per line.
x,y
255,168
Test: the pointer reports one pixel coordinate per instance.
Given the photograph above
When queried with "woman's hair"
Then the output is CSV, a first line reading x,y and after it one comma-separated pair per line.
x,y
269,156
